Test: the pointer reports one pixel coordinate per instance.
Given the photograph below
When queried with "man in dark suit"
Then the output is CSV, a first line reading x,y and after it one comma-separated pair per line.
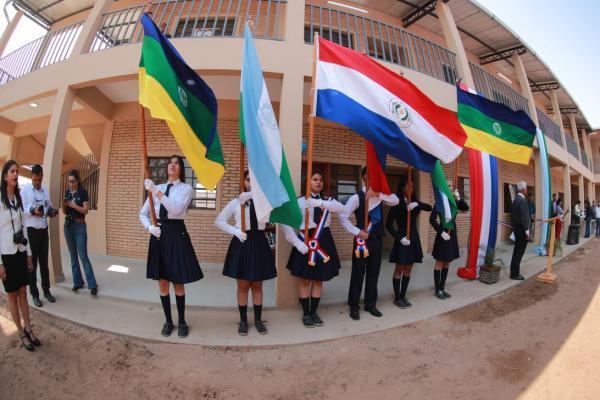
x,y
519,213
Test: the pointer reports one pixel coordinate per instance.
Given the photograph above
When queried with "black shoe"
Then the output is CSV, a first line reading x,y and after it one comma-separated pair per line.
x,y
94,291
167,329
518,277
182,330
446,294
402,303
243,328
37,302
36,342
317,321
77,287
49,297
28,346
260,327
440,295
308,322
374,311
355,315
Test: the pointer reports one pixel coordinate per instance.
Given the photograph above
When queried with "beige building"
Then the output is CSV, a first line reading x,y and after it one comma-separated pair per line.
x,y
70,99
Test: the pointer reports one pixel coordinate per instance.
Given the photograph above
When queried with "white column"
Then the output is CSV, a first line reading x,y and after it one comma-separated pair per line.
x,y
525,89
90,27
573,124
10,28
557,118
567,196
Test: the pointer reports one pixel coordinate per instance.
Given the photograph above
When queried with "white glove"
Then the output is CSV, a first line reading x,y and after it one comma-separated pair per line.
x,y
456,194
405,241
445,236
412,205
315,202
244,197
150,186
155,230
242,236
301,247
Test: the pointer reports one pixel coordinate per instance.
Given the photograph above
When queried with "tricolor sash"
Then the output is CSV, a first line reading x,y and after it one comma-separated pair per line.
x,y
360,245
314,248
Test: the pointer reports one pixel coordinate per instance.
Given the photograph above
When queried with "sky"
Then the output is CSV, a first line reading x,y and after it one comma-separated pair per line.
x,y
563,33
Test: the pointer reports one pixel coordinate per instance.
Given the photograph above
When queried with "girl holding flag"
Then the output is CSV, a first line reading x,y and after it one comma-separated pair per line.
x,y
406,252
319,261
445,246
249,259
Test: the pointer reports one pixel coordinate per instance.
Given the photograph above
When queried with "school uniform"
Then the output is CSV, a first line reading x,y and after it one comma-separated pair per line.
x,y
14,256
445,250
171,257
413,253
298,263
366,268
253,259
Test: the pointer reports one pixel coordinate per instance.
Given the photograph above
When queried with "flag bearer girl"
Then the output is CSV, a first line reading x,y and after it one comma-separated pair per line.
x,y
406,252
171,257
249,258
322,262
445,246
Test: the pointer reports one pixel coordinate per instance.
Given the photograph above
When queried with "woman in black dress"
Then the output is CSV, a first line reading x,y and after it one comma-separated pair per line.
x,y
326,265
249,258
445,246
406,252
171,257
16,261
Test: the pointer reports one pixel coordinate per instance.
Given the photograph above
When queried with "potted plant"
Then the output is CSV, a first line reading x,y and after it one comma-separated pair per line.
x,y
489,272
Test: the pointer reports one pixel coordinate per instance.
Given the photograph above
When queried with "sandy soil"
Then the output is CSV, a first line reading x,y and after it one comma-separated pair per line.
x,y
495,349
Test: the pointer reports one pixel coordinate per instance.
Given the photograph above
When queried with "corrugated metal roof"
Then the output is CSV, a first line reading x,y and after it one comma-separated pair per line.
x,y
48,12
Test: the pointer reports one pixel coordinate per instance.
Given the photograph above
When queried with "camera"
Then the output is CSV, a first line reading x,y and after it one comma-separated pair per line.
x,y
19,238
51,212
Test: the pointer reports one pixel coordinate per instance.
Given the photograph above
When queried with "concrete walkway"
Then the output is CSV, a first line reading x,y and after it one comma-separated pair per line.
x,y
135,313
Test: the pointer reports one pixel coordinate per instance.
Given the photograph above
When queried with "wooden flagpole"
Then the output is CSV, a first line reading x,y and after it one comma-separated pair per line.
x,y
145,161
548,276
311,134
409,199
367,187
242,187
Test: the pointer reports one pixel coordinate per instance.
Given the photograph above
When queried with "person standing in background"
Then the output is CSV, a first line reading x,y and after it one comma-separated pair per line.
x,y
520,219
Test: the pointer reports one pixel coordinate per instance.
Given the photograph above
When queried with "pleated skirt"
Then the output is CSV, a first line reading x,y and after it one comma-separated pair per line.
x,y
445,250
404,255
252,260
321,271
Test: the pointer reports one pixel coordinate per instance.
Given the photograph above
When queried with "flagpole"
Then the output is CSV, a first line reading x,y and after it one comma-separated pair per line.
x,y
367,187
455,185
145,161
409,199
242,187
311,134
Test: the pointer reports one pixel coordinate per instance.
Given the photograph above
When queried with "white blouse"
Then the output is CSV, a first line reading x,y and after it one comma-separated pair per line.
x,y
233,209
33,198
332,205
176,203
7,246
353,203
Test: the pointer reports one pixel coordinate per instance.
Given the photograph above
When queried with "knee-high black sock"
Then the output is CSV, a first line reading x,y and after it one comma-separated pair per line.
x,y
436,279
180,300
314,304
243,313
443,278
305,306
166,304
257,312
405,280
396,286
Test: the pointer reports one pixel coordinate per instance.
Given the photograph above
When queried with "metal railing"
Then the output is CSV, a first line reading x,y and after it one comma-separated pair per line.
x,y
89,175
585,160
496,90
550,128
571,146
597,165
49,49
380,40
193,19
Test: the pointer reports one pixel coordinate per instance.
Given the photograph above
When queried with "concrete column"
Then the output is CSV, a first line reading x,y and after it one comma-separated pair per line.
x,y
90,27
591,195
454,42
10,28
557,118
290,126
567,196
580,186
573,124
53,158
525,89
102,185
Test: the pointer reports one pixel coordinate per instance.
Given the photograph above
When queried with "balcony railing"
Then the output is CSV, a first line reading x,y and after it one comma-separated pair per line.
x,y
49,49
571,146
496,90
585,160
193,19
597,165
549,127
380,40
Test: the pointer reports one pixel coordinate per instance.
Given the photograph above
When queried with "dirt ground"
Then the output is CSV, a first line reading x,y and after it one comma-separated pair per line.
x,y
535,340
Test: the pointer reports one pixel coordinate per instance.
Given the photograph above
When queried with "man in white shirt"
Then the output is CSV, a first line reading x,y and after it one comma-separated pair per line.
x,y
37,208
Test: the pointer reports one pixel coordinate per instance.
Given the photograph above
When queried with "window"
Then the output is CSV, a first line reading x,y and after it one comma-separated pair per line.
x,y
194,28
510,192
341,181
346,40
449,74
202,199
383,51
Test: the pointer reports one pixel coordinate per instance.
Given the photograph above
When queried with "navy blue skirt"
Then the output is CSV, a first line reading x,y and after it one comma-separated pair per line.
x,y
17,274
321,271
445,250
405,255
172,258
252,260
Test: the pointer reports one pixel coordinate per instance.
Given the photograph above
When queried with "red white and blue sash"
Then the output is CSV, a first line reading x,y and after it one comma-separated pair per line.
x,y
360,245
314,248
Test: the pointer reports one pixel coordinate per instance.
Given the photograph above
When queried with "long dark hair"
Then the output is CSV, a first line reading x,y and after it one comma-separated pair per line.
x,y
4,186
181,166
75,174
